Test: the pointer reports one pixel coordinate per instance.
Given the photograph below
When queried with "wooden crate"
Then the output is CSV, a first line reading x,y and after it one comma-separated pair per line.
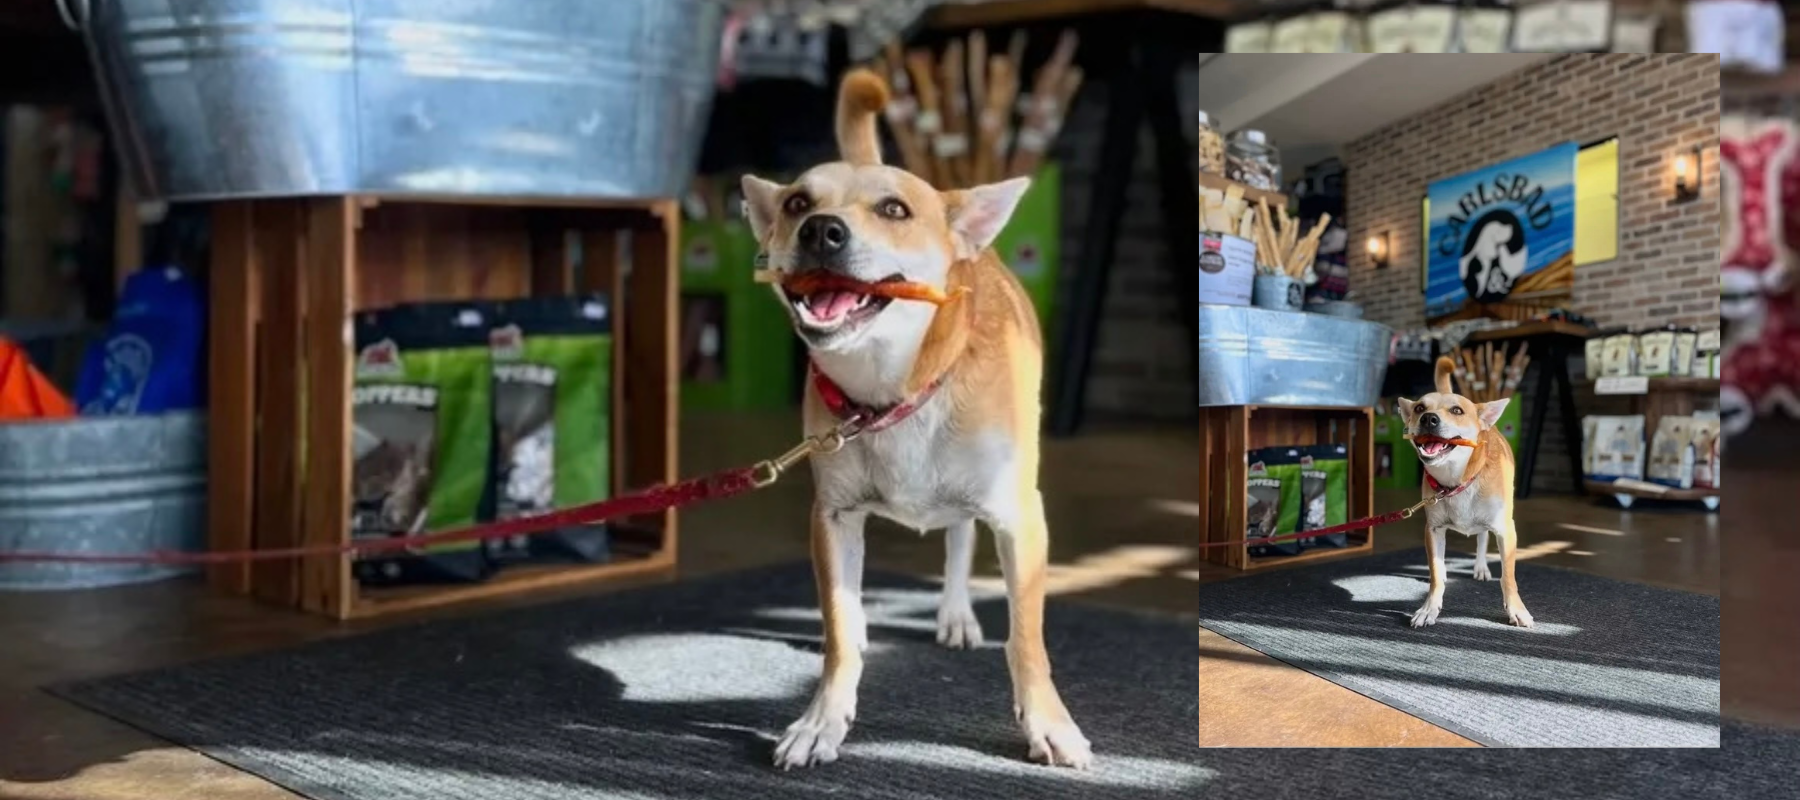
x,y
1229,433
286,276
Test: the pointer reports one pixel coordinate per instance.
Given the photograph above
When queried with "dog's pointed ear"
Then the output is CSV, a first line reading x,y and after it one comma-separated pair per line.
x,y
1490,411
978,215
762,200
1405,407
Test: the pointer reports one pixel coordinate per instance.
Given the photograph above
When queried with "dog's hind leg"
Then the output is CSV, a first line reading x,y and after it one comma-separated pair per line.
x,y
1024,557
1509,583
837,556
957,627
1481,559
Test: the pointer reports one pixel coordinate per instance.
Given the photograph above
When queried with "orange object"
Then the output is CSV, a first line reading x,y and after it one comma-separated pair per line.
x,y
24,392
1454,442
815,280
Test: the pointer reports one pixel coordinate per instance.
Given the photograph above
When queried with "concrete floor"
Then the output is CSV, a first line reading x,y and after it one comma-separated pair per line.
x,y
1123,512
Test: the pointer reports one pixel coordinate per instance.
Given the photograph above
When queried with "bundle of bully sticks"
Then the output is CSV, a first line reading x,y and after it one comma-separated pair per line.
x,y
1280,249
1485,374
965,118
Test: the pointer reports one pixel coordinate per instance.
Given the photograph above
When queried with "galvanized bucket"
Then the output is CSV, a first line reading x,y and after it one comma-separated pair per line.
x,y
1255,356
212,99
101,485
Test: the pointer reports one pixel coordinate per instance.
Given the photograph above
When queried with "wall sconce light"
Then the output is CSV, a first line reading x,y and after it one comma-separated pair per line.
x,y
1687,175
1378,250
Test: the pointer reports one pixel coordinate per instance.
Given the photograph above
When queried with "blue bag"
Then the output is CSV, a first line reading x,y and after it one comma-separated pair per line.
x,y
152,357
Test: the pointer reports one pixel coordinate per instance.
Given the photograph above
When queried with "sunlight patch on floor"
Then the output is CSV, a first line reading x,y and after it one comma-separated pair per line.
x,y
702,667
1103,569
1124,772
1178,507
1589,529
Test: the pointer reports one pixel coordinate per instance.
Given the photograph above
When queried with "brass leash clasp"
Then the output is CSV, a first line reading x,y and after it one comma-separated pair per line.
x,y
770,471
1414,509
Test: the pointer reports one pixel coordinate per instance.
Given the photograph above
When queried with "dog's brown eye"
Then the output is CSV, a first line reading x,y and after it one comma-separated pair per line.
x,y
1457,410
893,209
797,204
1419,409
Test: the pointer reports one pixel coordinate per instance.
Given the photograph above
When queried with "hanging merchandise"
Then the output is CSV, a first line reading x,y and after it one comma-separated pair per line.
x,y
1410,26
1635,31
1484,26
1754,155
151,359
1760,369
1333,29
1563,26
1254,36
776,39
1747,34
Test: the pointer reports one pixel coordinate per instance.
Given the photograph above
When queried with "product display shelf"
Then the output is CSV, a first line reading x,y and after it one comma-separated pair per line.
x,y
1229,433
1662,397
286,277
1224,184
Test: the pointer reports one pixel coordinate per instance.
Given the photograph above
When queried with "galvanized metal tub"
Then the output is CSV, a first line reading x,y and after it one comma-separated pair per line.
x,y
1255,356
214,99
101,485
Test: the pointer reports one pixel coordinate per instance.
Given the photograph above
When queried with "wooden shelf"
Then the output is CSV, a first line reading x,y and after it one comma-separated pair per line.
x,y
1222,183
1531,329
286,276
1708,497
1229,433
1314,554
1739,85
1681,384
512,580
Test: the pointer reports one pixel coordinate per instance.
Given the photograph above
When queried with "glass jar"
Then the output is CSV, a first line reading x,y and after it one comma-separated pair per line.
x,y
1212,147
1252,161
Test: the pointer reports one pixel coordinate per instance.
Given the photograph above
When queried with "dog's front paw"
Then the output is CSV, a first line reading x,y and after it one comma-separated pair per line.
x,y
1427,614
957,627
1053,737
1519,616
815,737
1481,572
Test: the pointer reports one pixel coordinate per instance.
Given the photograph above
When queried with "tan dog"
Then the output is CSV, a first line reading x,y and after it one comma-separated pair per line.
x,y
970,450
1485,506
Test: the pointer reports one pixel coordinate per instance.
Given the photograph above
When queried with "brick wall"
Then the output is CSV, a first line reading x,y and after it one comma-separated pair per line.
x,y
1657,105
1142,361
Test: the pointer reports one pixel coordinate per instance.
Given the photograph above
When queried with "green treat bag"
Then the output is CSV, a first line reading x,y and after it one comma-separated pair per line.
x,y
1273,502
552,422
1511,423
420,439
1324,493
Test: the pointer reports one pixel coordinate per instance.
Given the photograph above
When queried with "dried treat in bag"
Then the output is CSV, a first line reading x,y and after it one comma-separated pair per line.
x,y
552,416
420,439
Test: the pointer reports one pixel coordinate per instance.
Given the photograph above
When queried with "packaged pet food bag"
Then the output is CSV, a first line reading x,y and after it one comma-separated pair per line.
x,y
1324,493
1672,453
1273,503
153,358
421,439
552,421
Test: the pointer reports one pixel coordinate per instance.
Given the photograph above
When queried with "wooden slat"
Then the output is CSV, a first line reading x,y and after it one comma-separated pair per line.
x,y
231,394
1237,438
1362,470
652,389
330,274
279,427
600,273
551,271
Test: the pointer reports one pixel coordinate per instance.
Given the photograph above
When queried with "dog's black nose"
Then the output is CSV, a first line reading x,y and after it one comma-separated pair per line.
x,y
1429,420
824,235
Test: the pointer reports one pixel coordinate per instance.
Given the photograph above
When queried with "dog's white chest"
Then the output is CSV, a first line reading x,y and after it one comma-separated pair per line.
x,y
1469,512
921,473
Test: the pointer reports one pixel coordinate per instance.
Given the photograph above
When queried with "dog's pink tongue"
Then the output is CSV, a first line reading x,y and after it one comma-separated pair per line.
x,y
830,305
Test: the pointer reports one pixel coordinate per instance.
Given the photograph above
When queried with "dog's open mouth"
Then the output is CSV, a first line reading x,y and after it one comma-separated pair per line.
x,y
828,305
1432,448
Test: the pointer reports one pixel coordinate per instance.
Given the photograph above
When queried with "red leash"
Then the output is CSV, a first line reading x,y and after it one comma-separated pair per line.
x,y
1438,492
857,419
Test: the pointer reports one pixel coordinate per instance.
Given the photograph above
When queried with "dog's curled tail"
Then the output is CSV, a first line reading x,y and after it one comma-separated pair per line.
x,y
1445,368
861,96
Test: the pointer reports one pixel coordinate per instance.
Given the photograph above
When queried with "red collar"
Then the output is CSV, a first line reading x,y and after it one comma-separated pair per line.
x,y
865,418
1443,493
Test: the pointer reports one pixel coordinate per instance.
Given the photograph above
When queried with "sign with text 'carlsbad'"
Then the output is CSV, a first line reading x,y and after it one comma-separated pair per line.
x,y
1502,236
